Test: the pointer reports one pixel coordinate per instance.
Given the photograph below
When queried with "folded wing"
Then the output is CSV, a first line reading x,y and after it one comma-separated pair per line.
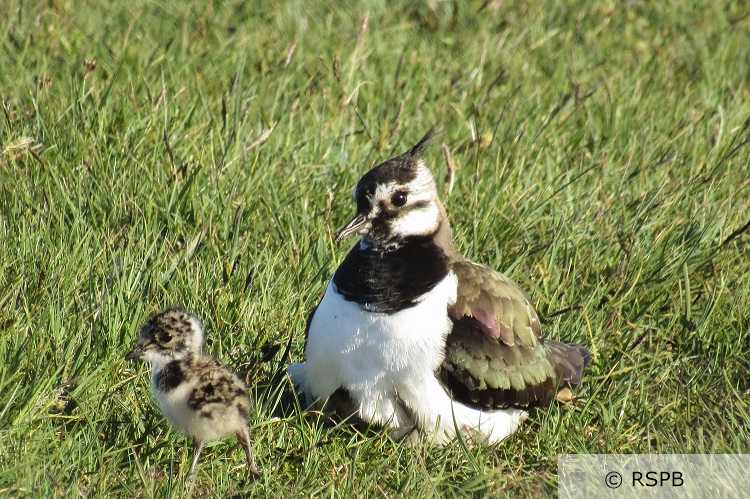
x,y
495,355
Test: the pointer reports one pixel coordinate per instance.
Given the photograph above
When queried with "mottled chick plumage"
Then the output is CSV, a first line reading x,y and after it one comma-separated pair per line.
x,y
200,397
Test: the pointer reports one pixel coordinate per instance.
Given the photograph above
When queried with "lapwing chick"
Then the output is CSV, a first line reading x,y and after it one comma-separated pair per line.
x,y
196,394
410,335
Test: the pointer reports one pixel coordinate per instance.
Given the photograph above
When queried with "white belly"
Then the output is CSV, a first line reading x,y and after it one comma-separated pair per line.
x,y
174,406
224,420
372,354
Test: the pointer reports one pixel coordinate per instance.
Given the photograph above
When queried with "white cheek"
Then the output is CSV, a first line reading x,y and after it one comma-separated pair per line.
x,y
420,221
156,359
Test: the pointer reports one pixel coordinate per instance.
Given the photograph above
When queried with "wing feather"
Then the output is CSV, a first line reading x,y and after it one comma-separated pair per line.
x,y
502,309
495,355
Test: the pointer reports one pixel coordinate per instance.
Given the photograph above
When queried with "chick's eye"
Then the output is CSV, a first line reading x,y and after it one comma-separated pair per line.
x,y
398,199
165,337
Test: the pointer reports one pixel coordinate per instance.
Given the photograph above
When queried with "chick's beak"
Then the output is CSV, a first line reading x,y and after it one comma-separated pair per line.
x,y
360,224
135,353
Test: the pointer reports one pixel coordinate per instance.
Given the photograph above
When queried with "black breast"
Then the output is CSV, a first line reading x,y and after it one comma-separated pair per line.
x,y
392,280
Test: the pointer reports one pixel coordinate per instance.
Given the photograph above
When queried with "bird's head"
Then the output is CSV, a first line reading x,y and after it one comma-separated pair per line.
x,y
396,200
170,334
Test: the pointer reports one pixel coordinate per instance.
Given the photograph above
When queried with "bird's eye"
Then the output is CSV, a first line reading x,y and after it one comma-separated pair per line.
x,y
165,337
399,199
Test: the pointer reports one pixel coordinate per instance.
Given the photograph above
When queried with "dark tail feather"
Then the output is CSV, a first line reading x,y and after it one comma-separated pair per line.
x,y
569,360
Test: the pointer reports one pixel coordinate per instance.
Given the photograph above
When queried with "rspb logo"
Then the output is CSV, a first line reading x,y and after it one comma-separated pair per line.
x,y
662,476
614,479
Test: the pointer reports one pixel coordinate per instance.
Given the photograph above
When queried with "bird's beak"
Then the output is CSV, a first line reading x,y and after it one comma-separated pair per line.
x,y
360,224
135,353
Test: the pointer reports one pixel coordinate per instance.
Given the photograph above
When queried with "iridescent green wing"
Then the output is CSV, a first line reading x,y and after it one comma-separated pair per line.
x,y
495,356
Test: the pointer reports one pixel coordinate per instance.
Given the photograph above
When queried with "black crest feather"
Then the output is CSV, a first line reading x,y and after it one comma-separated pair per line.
x,y
418,149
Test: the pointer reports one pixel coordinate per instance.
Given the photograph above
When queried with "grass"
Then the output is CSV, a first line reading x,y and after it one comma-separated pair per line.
x,y
203,154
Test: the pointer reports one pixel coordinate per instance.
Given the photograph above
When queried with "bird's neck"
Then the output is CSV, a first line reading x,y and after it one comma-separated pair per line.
x,y
443,236
389,280
159,362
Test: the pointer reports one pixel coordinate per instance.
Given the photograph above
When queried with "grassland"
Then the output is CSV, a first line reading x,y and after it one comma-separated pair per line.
x,y
203,154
